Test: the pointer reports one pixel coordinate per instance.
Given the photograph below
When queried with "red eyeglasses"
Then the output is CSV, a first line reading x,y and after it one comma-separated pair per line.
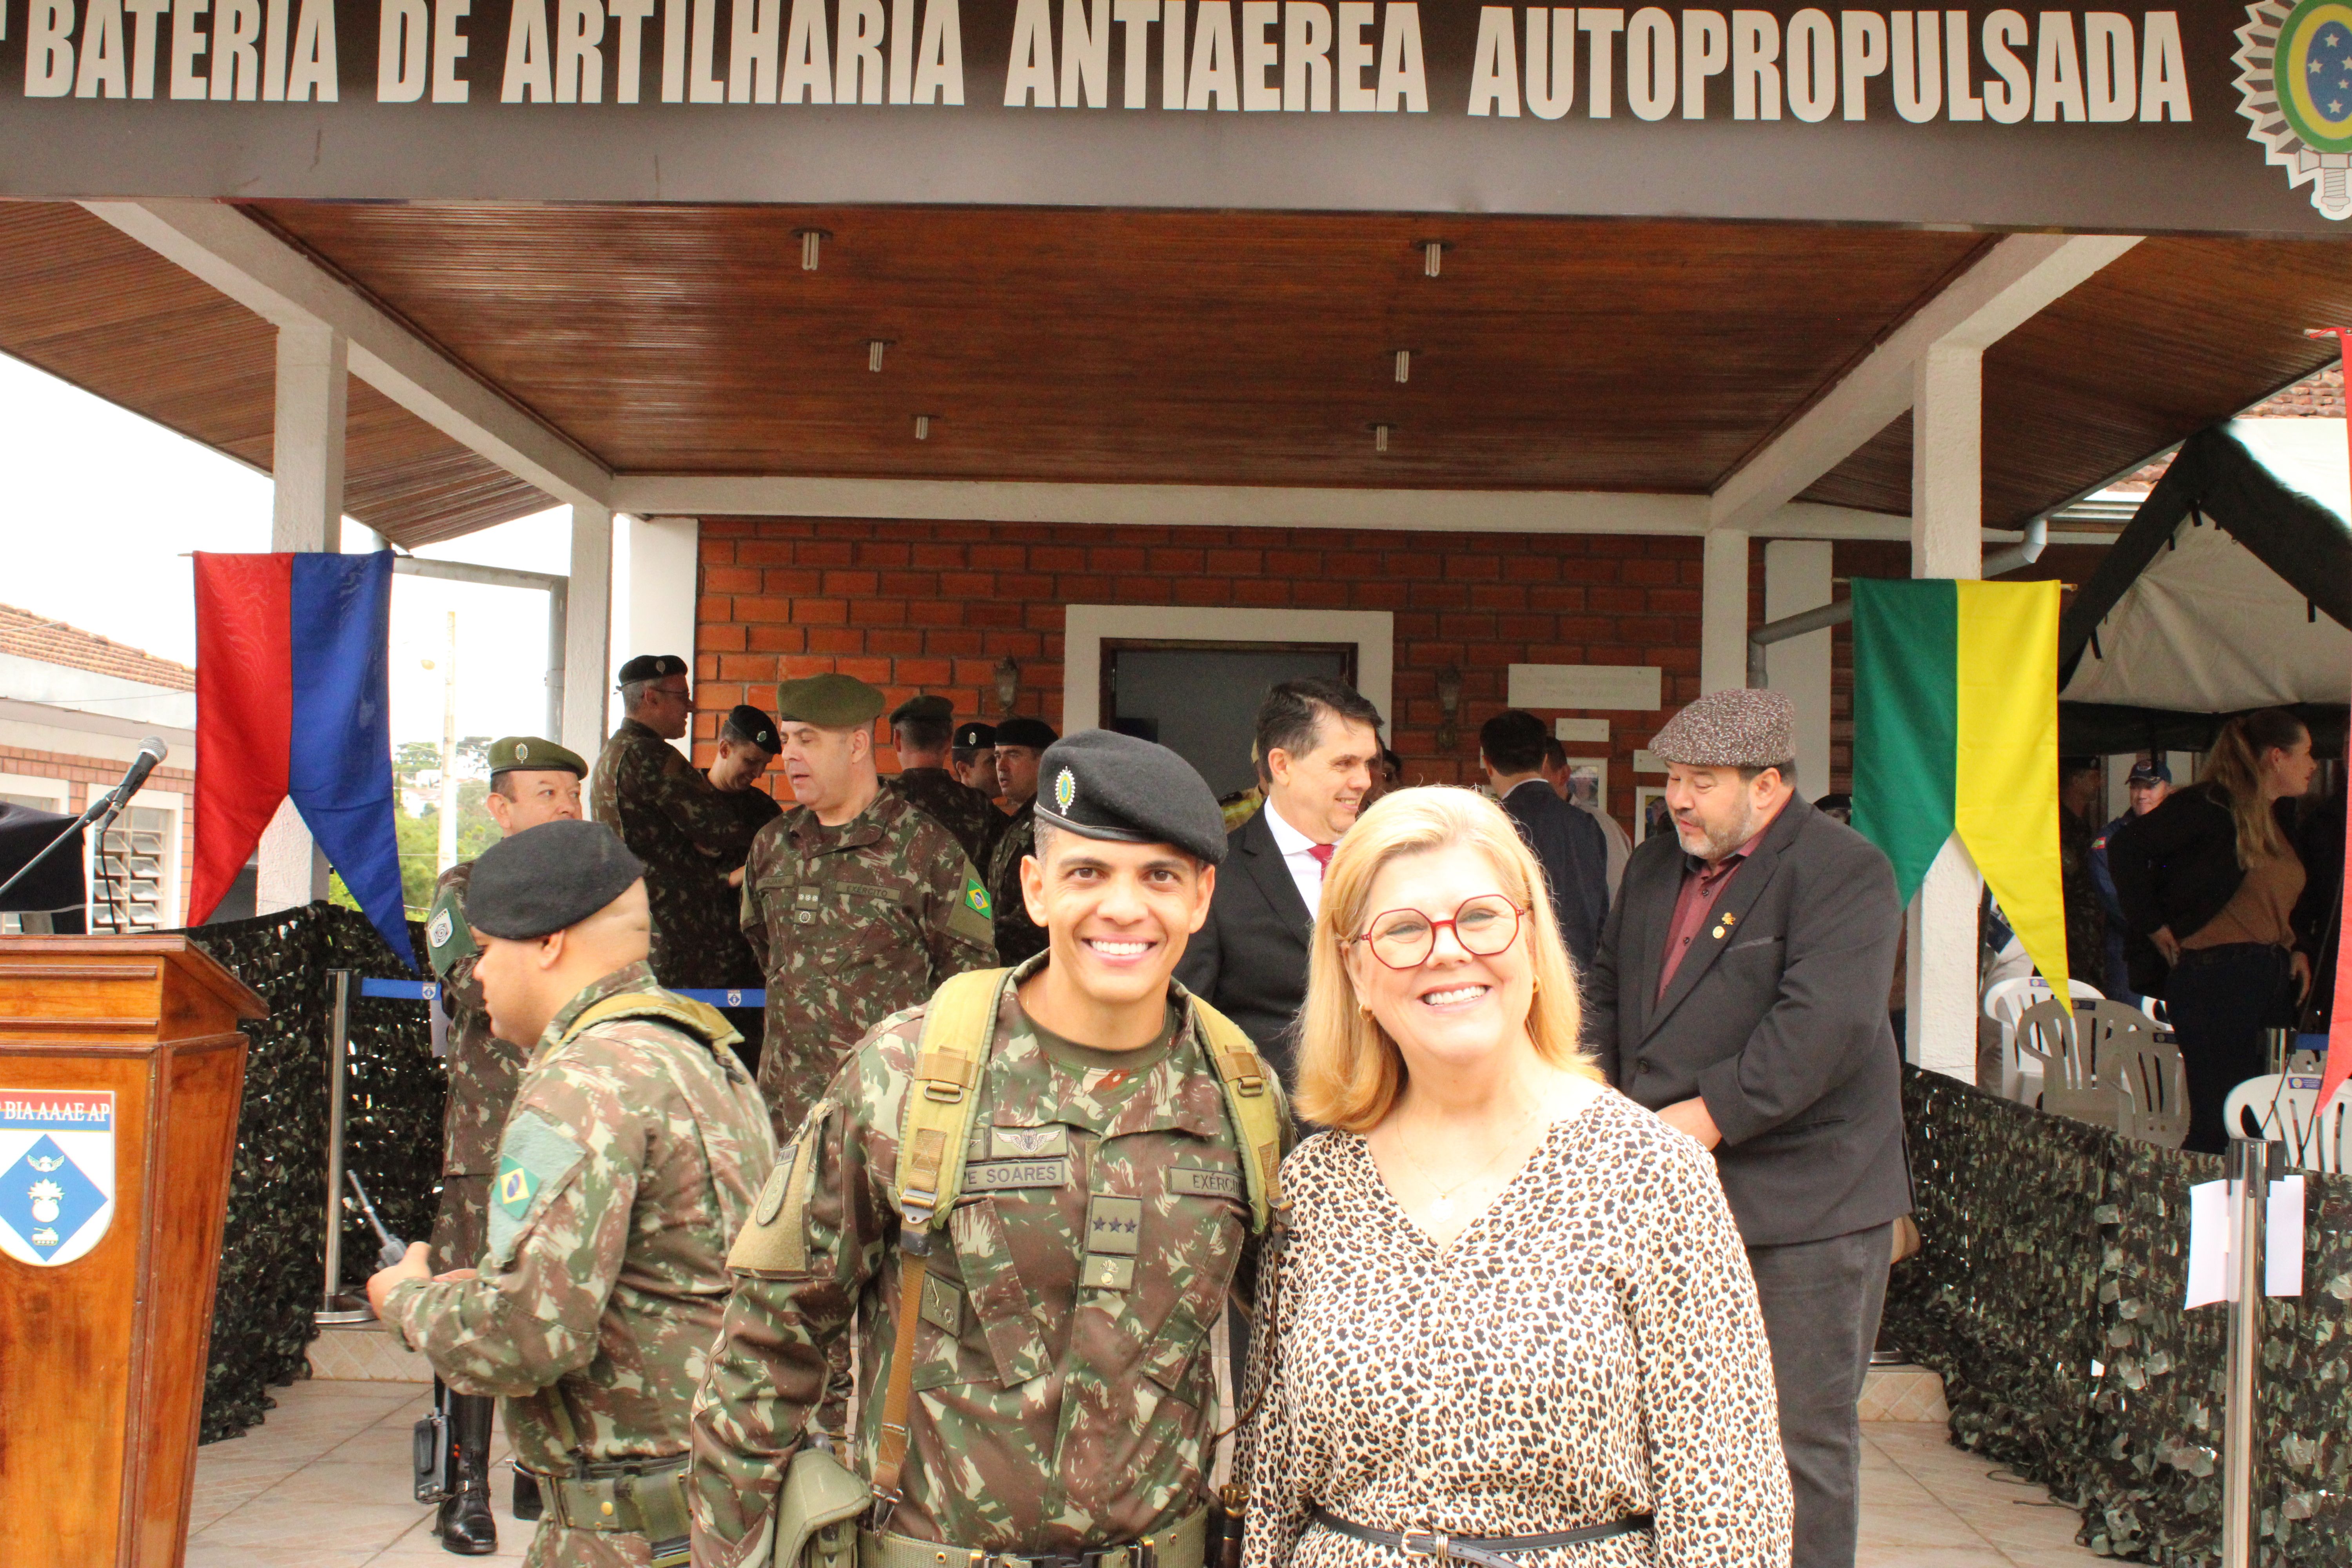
x,y
1404,939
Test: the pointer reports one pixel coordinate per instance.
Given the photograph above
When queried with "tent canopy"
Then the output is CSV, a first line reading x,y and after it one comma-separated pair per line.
x,y
2228,590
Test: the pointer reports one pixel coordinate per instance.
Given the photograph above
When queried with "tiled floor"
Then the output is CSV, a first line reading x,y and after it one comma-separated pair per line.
x,y
324,1483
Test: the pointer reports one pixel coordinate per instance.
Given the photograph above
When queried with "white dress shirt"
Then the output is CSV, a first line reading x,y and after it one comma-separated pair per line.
x,y
1298,854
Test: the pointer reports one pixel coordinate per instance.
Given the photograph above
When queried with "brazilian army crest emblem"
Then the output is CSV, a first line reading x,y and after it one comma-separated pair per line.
x,y
2295,83
56,1173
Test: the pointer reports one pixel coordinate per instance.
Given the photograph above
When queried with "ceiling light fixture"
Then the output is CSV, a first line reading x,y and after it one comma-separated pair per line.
x,y
922,427
810,239
1380,437
1433,255
874,347
1403,366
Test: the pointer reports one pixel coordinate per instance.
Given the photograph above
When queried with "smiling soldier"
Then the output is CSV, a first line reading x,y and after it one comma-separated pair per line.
x,y
1032,1201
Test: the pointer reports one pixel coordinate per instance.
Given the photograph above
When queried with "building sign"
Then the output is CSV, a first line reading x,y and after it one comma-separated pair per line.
x,y
56,1173
2139,120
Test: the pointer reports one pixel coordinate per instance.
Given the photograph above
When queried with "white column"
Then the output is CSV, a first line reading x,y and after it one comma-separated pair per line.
x,y
588,631
306,513
1946,540
665,557
1723,613
1797,578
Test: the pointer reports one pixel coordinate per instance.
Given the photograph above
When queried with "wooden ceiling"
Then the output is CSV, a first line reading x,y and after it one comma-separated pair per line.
x,y
1158,347
2168,338
89,305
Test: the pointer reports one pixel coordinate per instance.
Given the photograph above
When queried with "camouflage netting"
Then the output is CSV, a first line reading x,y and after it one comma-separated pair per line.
x,y
2048,1296
273,1256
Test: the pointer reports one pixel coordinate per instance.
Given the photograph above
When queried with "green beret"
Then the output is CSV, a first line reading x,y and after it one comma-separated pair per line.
x,y
975,737
529,754
547,878
1033,733
1100,783
919,708
828,702
652,667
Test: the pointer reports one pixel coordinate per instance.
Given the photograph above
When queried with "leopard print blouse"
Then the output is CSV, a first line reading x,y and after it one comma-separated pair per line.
x,y
1589,1348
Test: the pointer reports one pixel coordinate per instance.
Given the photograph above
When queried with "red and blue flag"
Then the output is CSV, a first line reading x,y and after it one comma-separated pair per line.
x,y
293,699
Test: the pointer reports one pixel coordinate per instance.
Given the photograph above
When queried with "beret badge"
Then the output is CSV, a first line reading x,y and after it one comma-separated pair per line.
x,y
1066,790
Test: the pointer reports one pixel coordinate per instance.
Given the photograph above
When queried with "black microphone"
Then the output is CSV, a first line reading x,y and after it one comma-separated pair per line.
x,y
152,750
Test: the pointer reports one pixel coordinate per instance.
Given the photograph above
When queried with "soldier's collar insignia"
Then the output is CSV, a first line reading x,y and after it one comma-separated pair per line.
x,y
1066,790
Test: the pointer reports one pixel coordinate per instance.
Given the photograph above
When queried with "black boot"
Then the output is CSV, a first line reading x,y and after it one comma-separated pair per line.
x,y
528,1506
465,1525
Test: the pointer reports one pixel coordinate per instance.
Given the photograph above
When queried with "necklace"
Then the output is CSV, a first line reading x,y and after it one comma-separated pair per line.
x,y
1441,1208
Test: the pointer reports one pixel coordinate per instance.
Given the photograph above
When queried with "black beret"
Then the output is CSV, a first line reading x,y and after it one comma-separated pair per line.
x,y
1100,783
652,667
547,877
975,736
749,723
1033,733
922,708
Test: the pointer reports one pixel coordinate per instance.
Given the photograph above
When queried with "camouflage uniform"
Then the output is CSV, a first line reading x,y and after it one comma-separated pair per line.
x,y
1017,936
850,924
684,830
633,1156
483,1071
954,805
1047,1416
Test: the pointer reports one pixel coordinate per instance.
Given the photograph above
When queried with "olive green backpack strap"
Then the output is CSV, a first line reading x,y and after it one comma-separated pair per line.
x,y
943,1098
700,1019
1253,1099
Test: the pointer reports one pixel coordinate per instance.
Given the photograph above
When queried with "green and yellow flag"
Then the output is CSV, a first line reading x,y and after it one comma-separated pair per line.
x,y
1956,731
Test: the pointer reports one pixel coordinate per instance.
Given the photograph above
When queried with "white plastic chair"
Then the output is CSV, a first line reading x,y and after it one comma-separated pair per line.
x,y
2151,1072
2066,1050
2285,1110
2005,1003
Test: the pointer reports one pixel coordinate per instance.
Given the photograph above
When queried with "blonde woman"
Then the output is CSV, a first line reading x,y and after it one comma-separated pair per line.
x,y
1514,1321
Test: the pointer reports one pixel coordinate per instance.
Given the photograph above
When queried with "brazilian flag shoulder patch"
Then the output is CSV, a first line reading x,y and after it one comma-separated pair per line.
x,y
535,1157
975,898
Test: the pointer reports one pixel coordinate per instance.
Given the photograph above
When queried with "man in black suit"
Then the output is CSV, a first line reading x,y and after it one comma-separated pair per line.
x,y
1317,743
1740,992
1568,842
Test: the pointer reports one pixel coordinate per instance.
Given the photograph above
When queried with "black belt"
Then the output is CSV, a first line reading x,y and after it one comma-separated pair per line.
x,y
1479,1549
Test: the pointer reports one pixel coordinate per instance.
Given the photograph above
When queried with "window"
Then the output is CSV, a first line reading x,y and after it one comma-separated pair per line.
x,y
127,890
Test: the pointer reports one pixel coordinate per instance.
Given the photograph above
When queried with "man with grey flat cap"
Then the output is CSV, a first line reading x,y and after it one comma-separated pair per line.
x,y
532,782
1059,1400
632,1154
1740,992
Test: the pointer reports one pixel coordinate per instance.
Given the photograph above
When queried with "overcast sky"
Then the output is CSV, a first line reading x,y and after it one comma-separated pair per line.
x,y
104,504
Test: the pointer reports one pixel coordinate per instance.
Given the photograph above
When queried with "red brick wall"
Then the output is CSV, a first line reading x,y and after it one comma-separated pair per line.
x,y
81,772
925,606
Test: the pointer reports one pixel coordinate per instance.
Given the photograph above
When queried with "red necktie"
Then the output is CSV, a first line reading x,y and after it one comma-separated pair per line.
x,y
1322,853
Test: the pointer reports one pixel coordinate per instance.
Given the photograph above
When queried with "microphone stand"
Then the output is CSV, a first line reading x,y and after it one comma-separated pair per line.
x,y
107,805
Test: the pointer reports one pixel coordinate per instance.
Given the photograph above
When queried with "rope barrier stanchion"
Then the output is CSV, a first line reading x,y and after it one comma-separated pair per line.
x,y
335,1308
2250,1183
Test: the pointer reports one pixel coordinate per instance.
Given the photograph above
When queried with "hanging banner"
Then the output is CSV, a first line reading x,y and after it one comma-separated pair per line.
x,y
2208,117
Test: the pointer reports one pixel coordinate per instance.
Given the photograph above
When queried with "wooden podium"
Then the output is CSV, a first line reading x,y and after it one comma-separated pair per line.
x,y
121,1074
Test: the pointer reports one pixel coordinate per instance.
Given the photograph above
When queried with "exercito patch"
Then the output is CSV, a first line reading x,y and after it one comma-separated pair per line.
x,y
448,941
535,1158
1198,1184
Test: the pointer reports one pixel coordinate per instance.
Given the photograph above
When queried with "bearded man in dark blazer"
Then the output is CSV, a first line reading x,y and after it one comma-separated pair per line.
x,y
1740,992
